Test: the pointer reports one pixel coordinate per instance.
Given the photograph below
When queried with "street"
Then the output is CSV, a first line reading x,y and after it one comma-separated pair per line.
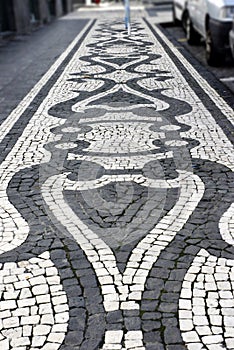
x,y
116,188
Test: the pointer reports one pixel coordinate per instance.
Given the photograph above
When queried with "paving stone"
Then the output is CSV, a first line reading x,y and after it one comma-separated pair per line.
x,y
132,323
172,335
150,325
114,317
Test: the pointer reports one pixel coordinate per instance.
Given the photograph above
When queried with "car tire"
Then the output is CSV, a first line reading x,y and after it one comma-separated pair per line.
x,y
193,38
213,57
184,20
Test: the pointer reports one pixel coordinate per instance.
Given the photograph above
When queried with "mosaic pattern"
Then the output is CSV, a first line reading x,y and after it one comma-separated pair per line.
x,y
117,213
34,310
206,303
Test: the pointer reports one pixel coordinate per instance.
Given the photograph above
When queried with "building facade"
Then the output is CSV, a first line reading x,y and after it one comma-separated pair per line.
x,y
21,16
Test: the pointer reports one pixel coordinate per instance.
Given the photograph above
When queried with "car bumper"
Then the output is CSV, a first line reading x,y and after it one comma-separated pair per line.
x,y
220,34
178,11
231,41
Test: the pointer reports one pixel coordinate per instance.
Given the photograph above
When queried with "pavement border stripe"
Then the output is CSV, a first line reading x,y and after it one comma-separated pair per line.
x,y
27,100
212,94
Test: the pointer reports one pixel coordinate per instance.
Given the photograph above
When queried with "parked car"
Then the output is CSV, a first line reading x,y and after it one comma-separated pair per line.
x,y
212,21
178,10
231,38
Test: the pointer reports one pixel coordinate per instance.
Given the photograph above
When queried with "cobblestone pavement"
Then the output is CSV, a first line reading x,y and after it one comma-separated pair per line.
x,y
116,211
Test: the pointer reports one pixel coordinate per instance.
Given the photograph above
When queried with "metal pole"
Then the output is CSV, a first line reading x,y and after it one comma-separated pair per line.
x,y
127,16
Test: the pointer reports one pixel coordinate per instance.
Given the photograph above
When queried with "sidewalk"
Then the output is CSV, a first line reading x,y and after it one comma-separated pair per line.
x,y
116,188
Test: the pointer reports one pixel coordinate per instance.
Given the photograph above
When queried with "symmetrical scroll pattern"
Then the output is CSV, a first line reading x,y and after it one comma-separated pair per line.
x,y
113,161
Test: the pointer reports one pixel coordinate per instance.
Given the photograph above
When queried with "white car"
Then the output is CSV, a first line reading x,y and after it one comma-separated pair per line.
x,y
211,20
231,38
178,10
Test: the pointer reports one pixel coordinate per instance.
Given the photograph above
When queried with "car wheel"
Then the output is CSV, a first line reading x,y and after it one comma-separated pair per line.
x,y
193,37
213,57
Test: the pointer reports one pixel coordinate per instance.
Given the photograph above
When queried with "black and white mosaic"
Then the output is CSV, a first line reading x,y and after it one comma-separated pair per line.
x,y
116,213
